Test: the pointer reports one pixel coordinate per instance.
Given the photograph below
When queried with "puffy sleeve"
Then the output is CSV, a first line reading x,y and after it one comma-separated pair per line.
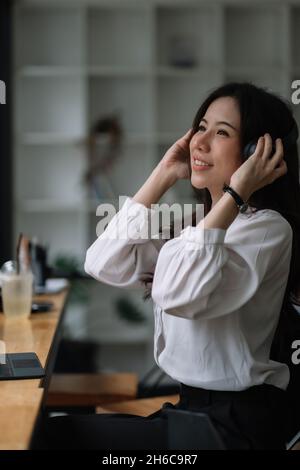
x,y
198,274
123,254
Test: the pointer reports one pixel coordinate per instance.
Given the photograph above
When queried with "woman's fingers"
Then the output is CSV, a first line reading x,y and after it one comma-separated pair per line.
x,y
259,146
184,142
188,135
267,154
279,153
280,166
273,164
267,151
276,165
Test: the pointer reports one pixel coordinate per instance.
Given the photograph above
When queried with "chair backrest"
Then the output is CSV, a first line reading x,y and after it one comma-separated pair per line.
x,y
285,348
190,430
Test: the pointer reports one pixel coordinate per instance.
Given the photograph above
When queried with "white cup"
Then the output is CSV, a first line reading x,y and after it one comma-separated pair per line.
x,y
16,290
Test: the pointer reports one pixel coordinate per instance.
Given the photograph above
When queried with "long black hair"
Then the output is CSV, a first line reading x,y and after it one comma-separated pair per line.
x,y
264,112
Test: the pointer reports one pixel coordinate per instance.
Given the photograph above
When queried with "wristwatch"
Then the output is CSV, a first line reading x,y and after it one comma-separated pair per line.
x,y
242,205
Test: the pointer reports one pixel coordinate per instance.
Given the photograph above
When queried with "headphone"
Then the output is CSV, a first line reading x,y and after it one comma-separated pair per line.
x,y
287,141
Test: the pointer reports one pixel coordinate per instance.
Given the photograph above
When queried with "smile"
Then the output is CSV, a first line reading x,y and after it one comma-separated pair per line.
x,y
199,165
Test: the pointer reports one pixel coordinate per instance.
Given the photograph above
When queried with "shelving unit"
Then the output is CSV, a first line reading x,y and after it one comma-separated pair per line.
x,y
150,61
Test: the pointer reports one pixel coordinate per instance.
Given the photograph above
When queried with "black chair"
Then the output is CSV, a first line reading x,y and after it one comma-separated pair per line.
x,y
191,430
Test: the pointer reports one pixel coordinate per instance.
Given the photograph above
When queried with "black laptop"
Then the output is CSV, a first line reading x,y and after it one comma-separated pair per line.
x,y
20,366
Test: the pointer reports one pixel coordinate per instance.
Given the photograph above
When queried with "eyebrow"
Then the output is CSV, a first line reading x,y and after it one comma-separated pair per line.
x,y
221,122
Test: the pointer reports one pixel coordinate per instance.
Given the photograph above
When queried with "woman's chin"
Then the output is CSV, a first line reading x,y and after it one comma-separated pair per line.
x,y
197,183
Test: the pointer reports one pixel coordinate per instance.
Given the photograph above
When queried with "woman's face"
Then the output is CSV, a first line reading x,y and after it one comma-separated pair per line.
x,y
217,143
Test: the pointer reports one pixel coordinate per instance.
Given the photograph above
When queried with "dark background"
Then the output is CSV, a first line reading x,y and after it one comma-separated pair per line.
x,y
6,157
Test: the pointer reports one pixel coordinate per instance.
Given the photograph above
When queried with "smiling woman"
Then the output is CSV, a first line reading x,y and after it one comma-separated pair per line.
x,y
218,287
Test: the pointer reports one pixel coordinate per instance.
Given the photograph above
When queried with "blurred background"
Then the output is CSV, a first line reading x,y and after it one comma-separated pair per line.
x,y
97,90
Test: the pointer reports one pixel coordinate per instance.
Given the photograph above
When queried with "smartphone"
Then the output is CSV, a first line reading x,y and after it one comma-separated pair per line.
x,y
39,306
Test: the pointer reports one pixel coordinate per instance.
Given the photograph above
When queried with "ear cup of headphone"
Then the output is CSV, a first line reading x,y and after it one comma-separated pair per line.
x,y
287,142
251,147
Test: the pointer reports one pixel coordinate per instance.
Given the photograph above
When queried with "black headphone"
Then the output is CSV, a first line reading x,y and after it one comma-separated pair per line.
x,y
287,141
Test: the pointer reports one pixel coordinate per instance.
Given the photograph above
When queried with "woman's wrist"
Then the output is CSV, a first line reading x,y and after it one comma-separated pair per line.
x,y
165,176
241,189
156,185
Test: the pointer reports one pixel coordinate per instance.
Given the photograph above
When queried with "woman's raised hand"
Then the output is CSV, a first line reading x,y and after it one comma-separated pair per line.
x,y
176,160
260,169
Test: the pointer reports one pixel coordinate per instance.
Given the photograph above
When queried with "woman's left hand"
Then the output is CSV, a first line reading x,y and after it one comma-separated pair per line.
x,y
260,169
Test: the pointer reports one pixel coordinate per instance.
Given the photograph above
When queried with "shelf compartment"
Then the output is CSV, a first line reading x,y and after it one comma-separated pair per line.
x,y
182,35
49,36
129,98
50,105
259,31
118,37
56,174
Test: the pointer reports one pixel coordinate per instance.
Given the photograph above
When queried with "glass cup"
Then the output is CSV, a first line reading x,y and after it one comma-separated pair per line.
x,y
16,290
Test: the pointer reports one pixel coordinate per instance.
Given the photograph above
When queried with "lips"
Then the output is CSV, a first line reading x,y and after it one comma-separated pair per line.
x,y
199,159
200,164
201,167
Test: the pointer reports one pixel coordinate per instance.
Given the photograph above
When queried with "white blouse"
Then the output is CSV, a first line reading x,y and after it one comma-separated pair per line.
x,y
217,294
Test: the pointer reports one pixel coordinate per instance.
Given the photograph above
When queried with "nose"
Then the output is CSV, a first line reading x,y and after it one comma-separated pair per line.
x,y
202,140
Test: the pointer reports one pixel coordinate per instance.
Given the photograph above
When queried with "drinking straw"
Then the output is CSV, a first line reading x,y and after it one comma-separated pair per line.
x,y
18,252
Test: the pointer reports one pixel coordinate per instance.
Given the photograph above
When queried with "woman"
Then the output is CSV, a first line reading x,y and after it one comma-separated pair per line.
x,y
217,287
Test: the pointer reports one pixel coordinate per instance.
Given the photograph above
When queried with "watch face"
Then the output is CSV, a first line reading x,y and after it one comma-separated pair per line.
x,y
244,207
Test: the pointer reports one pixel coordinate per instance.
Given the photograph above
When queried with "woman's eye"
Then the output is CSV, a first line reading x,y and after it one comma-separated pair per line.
x,y
222,132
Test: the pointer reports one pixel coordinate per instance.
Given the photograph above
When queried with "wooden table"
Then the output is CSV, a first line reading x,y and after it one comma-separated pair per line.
x,y
20,400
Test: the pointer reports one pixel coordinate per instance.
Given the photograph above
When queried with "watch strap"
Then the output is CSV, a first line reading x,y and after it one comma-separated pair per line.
x,y
242,205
